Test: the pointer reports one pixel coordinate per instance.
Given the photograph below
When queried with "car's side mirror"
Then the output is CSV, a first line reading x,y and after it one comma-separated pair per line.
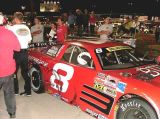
x,y
84,58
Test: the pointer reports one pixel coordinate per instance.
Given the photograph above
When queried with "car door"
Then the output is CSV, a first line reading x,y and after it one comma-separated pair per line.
x,y
88,94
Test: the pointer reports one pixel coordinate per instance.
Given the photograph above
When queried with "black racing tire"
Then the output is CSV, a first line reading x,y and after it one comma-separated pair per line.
x,y
36,79
135,108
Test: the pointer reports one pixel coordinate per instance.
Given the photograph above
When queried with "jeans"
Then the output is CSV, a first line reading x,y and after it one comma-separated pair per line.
x,y
7,83
22,62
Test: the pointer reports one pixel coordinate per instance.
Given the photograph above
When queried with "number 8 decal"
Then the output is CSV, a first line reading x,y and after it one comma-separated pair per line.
x,y
55,76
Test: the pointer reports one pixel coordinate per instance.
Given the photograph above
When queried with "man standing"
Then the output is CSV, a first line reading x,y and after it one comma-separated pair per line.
x,y
24,37
61,30
8,44
106,29
79,22
37,31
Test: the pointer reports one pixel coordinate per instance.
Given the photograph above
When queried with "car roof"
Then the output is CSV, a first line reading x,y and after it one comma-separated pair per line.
x,y
95,43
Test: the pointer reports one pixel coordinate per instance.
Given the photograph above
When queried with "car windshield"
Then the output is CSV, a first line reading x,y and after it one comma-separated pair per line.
x,y
119,57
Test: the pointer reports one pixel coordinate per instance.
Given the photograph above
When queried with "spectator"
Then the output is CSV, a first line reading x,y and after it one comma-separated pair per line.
x,y
92,22
8,44
37,31
106,29
52,36
126,26
71,23
85,21
61,30
64,16
79,22
24,37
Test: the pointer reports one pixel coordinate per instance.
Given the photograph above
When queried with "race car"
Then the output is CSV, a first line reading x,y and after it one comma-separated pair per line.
x,y
105,79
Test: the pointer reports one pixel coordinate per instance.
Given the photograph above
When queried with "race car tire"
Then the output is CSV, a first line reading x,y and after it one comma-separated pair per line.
x,y
36,79
135,108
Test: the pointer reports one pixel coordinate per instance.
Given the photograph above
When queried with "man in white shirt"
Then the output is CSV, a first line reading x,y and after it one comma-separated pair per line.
x,y
37,31
24,37
106,29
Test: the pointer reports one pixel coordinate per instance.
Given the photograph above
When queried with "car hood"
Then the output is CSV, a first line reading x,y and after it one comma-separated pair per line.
x,y
147,74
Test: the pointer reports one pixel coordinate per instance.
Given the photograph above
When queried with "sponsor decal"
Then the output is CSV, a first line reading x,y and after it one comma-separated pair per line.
x,y
130,104
52,51
22,32
94,114
106,90
106,84
116,48
99,87
111,81
99,80
152,71
99,50
121,87
38,61
110,91
101,75
83,58
110,84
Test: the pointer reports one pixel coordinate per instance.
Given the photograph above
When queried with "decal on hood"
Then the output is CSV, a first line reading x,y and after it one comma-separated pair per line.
x,y
148,72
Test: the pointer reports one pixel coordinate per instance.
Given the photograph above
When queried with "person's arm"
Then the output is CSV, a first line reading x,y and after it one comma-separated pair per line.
x,y
16,44
66,31
104,32
29,36
35,32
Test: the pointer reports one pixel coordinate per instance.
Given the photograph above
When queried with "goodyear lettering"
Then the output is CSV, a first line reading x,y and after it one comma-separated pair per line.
x,y
130,104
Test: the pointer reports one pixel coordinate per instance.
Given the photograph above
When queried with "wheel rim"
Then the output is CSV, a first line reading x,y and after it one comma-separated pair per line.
x,y
134,113
35,80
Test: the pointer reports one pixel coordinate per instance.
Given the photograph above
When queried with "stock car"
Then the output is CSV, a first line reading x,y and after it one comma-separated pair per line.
x,y
107,80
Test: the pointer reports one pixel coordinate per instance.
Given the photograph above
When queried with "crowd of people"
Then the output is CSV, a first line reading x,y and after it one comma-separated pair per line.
x,y
16,36
73,24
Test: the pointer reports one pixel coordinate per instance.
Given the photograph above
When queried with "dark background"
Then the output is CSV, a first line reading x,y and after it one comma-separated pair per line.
x,y
145,7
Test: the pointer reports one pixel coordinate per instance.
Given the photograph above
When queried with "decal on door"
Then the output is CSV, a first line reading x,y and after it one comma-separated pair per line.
x,y
64,76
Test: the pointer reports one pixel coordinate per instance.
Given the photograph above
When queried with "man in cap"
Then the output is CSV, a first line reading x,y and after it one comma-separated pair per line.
x,y
106,29
8,44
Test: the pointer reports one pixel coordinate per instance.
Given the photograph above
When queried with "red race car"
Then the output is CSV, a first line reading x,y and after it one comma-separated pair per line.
x,y
105,79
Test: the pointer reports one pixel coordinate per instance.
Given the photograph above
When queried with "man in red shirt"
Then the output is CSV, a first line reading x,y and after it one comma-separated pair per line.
x,y
61,30
8,44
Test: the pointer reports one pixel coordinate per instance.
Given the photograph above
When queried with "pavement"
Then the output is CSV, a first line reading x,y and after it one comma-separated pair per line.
x,y
41,106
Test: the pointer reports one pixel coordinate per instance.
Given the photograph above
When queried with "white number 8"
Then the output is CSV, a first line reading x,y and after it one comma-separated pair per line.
x,y
69,74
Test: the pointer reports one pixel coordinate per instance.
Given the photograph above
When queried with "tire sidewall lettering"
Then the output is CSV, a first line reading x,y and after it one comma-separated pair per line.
x,y
125,106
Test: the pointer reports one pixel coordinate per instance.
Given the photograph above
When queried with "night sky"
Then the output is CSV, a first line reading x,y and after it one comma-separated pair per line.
x,y
147,7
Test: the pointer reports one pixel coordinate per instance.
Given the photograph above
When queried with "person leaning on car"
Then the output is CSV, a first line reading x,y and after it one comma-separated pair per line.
x,y
106,29
8,44
24,37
